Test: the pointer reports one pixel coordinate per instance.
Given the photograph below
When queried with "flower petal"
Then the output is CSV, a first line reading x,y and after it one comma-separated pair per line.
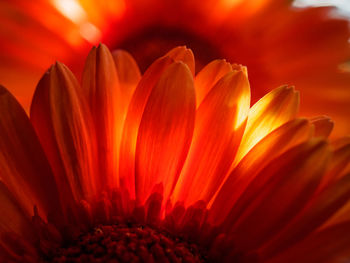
x,y
320,210
128,74
24,167
133,119
270,112
323,126
165,131
183,54
284,187
208,76
100,86
13,217
61,120
220,122
274,144
329,245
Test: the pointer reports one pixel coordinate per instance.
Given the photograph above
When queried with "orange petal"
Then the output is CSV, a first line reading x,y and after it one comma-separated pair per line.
x,y
284,187
183,54
133,119
270,112
128,74
165,131
208,76
61,120
100,85
220,122
323,126
23,165
322,208
329,245
274,144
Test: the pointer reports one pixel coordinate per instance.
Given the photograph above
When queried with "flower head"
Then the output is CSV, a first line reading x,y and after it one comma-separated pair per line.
x,y
168,167
279,43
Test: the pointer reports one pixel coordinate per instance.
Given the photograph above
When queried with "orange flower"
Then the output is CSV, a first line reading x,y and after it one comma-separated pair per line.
x,y
168,167
280,44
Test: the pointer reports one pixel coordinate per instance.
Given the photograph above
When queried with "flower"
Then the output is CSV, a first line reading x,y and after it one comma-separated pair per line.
x,y
279,43
168,167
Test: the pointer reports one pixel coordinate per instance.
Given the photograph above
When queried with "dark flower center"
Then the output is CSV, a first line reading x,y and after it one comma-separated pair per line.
x,y
128,243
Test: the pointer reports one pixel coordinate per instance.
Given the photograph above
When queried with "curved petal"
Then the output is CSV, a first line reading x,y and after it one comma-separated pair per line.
x,y
270,112
274,144
219,126
329,245
24,167
133,119
319,211
165,131
284,187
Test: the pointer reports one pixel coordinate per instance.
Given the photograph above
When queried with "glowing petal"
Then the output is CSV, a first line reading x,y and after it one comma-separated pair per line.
x,y
215,138
274,144
270,112
165,132
100,86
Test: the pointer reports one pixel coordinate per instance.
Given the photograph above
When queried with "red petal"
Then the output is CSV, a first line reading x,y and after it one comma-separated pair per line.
x,y
24,166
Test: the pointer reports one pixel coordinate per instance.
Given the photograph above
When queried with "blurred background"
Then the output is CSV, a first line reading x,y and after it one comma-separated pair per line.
x,y
304,43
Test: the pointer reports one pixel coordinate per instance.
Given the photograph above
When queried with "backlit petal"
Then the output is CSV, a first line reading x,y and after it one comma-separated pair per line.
x,y
165,131
277,194
133,119
274,144
100,86
220,122
270,112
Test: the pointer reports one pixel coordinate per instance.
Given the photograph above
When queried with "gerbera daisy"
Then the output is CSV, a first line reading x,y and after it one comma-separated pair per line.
x,y
279,43
168,167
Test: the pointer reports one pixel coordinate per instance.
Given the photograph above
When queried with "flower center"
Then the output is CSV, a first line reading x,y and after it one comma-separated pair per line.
x,y
128,243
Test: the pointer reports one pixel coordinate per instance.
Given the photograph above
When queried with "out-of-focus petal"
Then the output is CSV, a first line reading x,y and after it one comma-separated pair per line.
x,y
208,76
21,157
220,122
100,86
165,131
323,126
270,112
277,194
318,248
274,144
319,211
